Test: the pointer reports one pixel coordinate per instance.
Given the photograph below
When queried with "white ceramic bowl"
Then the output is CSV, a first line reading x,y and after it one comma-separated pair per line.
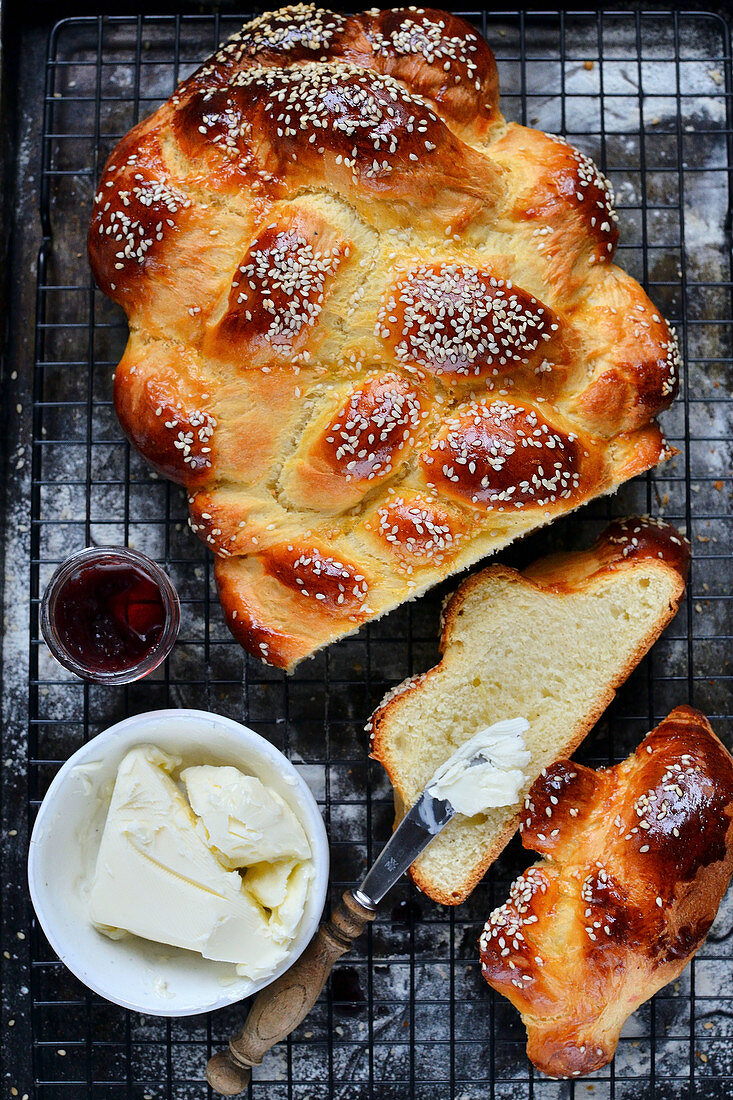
x,y
132,972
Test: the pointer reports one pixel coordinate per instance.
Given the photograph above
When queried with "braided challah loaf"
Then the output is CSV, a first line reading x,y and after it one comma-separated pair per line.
x,y
637,860
374,330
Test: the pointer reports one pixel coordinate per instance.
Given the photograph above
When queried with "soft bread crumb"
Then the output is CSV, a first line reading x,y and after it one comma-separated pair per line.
x,y
514,649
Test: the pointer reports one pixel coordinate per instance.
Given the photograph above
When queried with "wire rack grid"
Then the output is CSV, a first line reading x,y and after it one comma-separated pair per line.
x,y
407,1015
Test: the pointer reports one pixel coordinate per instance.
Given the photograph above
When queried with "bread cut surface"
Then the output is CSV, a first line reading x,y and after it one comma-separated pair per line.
x,y
375,330
551,644
636,861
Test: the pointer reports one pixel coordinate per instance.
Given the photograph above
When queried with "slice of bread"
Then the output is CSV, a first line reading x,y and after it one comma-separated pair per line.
x,y
551,644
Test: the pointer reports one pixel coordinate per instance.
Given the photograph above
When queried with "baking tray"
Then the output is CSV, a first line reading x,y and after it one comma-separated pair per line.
x,y
407,1015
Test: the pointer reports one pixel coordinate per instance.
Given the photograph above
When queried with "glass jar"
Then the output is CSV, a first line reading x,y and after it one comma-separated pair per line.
x,y
110,614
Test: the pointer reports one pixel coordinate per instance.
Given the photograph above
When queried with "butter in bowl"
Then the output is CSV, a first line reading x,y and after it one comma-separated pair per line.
x,y
178,863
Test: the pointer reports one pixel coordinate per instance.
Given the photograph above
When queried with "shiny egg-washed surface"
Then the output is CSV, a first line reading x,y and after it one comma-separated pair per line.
x,y
375,330
636,861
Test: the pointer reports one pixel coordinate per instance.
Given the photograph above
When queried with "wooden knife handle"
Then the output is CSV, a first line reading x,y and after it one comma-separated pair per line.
x,y
280,1007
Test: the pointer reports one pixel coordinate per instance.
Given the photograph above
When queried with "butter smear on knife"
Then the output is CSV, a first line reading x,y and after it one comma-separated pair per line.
x,y
486,771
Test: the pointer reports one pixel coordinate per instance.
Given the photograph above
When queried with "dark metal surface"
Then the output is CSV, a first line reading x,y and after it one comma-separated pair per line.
x,y
408,1016
426,819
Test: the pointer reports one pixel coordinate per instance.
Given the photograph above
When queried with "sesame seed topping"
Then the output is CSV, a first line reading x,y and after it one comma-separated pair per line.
x,y
503,456
302,27
342,109
142,218
373,429
428,40
456,320
282,94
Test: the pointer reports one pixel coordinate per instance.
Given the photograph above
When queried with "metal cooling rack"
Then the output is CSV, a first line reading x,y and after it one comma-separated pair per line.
x,y
408,1017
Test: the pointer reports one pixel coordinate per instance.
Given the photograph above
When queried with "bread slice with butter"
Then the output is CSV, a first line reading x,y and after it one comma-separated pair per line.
x,y
550,644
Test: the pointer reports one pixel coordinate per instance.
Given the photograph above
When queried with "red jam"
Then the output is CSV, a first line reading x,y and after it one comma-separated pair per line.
x,y
109,616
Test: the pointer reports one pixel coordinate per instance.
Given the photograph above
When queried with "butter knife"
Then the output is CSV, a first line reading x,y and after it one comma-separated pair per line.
x,y
280,1007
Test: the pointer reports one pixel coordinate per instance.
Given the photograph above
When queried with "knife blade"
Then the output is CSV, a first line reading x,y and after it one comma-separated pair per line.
x,y
425,820
431,813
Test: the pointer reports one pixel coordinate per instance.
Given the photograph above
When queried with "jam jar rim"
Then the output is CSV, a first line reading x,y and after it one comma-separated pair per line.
x,y
171,607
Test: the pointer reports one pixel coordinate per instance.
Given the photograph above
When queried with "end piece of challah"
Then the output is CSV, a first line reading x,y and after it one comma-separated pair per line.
x,y
375,330
637,859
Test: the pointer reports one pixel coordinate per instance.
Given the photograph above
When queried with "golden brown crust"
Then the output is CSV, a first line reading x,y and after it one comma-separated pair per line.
x,y
633,538
363,443
366,313
296,126
278,292
564,202
442,58
437,54
504,456
638,857
622,546
416,528
288,597
459,322
164,410
635,353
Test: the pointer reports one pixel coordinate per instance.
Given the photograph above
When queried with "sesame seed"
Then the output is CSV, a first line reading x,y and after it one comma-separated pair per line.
x,y
458,321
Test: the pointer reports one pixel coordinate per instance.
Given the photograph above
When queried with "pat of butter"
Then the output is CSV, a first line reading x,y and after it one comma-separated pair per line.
x,y
268,882
495,779
157,877
245,821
